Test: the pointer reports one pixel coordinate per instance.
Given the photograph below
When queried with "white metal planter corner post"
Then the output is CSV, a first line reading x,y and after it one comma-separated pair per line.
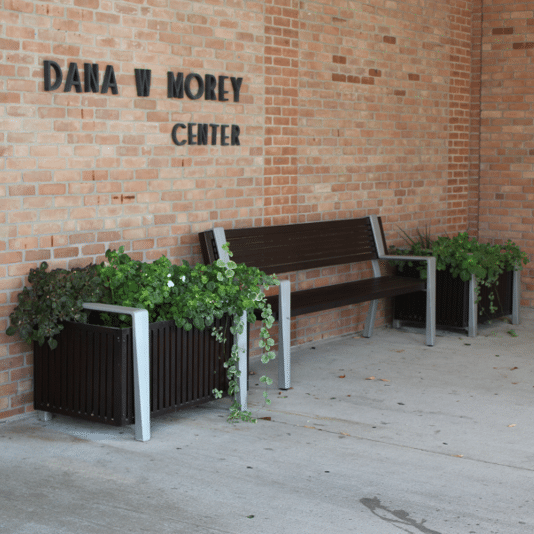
x,y
516,297
242,338
141,364
472,328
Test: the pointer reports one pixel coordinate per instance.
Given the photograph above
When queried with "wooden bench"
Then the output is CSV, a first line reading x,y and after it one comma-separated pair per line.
x,y
295,247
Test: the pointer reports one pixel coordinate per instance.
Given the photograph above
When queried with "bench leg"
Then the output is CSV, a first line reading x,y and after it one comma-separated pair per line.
x,y
242,345
473,309
370,319
284,335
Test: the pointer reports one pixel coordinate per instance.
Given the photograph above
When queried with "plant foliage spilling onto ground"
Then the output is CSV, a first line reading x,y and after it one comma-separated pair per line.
x,y
191,296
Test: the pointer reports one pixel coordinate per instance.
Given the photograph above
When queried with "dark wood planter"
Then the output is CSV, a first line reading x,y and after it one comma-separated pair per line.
x,y
89,374
452,300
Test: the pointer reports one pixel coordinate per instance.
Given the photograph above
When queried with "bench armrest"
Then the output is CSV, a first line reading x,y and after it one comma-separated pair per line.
x,y
407,258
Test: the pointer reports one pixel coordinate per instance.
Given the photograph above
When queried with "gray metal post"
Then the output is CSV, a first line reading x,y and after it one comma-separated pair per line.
x,y
242,346
430,284
284,335
140,361
431,301
472,327
516,297
373,305
242,339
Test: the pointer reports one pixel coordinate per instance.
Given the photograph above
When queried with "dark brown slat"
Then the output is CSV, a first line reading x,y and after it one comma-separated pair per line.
x,y
195,359
286,248
161,368
110,400
335,296
88,382
173,385
301,228
120,378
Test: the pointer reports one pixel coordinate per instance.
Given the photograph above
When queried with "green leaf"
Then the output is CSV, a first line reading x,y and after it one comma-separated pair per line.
x,y
11,331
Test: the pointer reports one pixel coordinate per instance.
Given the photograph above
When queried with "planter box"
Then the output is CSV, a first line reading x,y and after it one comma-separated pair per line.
x,y
89,374
452,300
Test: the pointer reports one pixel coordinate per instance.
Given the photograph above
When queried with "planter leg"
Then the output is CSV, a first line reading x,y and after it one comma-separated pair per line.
x,y
473,309
141,363
44,416
516,297
284,341
431,302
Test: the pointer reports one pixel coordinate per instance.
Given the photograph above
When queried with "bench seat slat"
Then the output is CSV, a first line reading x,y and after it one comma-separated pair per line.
x,y
334,296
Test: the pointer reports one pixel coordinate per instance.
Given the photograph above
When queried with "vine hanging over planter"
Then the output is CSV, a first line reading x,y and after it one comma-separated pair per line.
x,y
464,257
191,296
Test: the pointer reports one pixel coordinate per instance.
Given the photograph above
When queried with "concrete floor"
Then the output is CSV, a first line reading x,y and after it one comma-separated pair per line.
x,y
440,441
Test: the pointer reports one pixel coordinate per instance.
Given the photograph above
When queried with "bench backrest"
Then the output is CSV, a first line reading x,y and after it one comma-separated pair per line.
x,y
294,247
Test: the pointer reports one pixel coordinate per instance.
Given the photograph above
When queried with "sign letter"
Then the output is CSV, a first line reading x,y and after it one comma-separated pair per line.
x,y
175,88
173,134
59,75
73,78
109,81
142,81
200,82
90,77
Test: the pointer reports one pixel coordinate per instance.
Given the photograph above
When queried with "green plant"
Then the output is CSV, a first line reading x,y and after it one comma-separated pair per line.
x,y
195,297
192,296
464,257
52,298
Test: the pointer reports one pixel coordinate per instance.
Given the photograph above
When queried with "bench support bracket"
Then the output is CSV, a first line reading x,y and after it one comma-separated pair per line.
x,y
242,339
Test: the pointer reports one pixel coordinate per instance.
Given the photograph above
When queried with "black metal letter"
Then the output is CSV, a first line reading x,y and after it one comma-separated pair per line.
x,y
202,134
224,137
90,77
222,92
59,75
190,135
73,78
175,88
214,134
211,84
200,81
236,84
234,136
173,134
142,81
109,81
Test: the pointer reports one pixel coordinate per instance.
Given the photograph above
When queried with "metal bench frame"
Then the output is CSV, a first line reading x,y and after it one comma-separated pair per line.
x,y
218,235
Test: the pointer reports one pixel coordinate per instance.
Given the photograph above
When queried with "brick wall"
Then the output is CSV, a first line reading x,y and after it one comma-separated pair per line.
x,y
345,109
506,143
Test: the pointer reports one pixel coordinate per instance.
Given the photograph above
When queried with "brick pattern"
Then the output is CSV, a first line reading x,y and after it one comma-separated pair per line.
x,y
474,134
345,110
507,129
281,60
83,172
